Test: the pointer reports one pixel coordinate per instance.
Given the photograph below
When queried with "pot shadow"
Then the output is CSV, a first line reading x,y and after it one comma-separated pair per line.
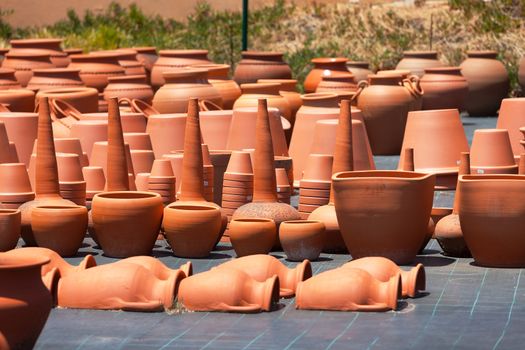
x,y
160,254
429,252
401,305
474,263
277,256
85,245
421,295
434,260
84,254
323,258
277,307
222,248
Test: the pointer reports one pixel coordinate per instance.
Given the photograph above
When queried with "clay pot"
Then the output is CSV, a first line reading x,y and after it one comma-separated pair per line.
x,y
73,51
118,286
385,104
71,145
488,82
95,180
423,130
26,302
18,100
218,76
83,99
323,67
174,59
52,78
127,222
129,86
252,236
89,132
180,86
147,55
9,229
192,229
138,141
400,237
23,63
382,269
228,290
251,93
511,117
256,65
418,61
127,58
166,132
96,68
215,127
59,228
491,153
131,122
157,268
302,239
336,82
8,79
22,130
347,289
445,87
51,46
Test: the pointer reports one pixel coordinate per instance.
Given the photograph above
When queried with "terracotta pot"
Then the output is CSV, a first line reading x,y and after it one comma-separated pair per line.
x,y
9,229
147,55
71,145
18,100
418,61
359,69
131,122
347,289
52,78
445,87
95,180
174,59
256,65
23,63
511,117
491,214
127,223
336,82
491,153
302,239
158,269
129,86
127,58
89,132
166,132
8,79
288,90
73,51
251,93
215,127
488,82
382,269
252,236
84,99
21,129
51,46
423,130
59,228
96,68
228,290
118,286
400,237
323,67
138,140
26,302
192,230
218,76
142,160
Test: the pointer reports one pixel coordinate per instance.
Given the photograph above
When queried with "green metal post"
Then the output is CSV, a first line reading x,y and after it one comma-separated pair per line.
x,y
244,25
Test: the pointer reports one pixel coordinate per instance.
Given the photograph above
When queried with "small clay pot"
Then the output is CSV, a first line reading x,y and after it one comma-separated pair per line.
x,y
323,67
338,81
8,79
418,61
302,239
256,65
218,76
51,46
491,153
9,228
23,63
129,86
252,236
215,127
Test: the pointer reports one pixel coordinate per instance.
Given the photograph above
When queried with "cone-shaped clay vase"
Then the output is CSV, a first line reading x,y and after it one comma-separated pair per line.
x,y
47,190
383,269
229,290
448,231
265,204
343,161
346,289
156,267
261,267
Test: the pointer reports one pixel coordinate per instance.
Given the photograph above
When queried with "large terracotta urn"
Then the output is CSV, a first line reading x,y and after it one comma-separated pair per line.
x,y
256,65
8,79
52,78
51,46
445,87
174,59
359,69
130,87
418,61
24,62
324,66
218,76
96,68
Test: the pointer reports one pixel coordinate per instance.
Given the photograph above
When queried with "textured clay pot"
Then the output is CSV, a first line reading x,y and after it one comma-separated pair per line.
x,y
52,78
23,63
359,69
25,302
18,100
302,239
228,290
60,228
175,59
262,267
9,228
96,68
129,86
118,286
51,46
445,87
15,186
218,76
512,117
400,229
256,65
491,153
337,82
382,269
252,236
127,59
323,67
418,61
180,86
8,79
147,55
488,82
346,289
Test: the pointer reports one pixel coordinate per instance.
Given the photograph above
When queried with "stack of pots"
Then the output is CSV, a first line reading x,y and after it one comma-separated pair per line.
x,y
284,190
314,187
207,173
162,180
95,182
237,187
15,187
71,180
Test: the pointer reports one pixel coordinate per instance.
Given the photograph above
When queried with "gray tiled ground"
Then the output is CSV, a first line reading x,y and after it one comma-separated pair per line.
x,y
467,307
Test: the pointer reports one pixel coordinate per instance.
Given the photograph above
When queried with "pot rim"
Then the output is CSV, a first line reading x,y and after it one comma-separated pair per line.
x,y
491,177
36,41
8,212
33,53
380,174
60,207
250,53
422,113
56,70
17,114
67,90
191,206
481,53
182,53
248,219
126,195
295,222
322,60
420,53
12,262
315,96
443,69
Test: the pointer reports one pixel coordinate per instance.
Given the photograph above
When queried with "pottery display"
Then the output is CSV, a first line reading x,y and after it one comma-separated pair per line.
x,y
23,63
9,228
491,153
83,99
418,61
228,290
8,79
256,65
359,69
316,175
175,59
18,100
323,67
129,86
252,236
50,46
401,229
511,117
218,76
25,301
96,68
445,87
52,78
347,289
302,239
488,82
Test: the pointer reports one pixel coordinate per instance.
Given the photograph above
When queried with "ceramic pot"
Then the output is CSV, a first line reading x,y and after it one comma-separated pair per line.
x,y
218,76
256,65
166,132
9,229
18,100
323,67
96,68
147,55
127,59
24,62
488,82
382,269
158,269
175,59
228,290
288,90
83,99
21,129
51,46
131,121
52,78
59,228
26,302
491,153
118,286
252,236
418,61
400,237
8,79
347,289
89,132
338,81
359,69
215,127
511,117
445,87
192,230
302,239
180,86
129,86
385,104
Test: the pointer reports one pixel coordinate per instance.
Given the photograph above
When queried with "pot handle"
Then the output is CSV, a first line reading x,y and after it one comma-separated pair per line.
x,y
207,105
139,106
237,308
363,84
60,107
124,101
150,305
414,82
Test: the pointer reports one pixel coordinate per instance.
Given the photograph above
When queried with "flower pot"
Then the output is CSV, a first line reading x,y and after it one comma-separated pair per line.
x,y
256,65
138,141
8,79
131,122
491,153
166,132
215,127
418,61
19,100
175,59
359,69
89,132
129,86
323,67
400,229
511,117
9,228
302,239
52,78
252,236
142,161
95,180
445,87
15,186
51,46
23,63
96,68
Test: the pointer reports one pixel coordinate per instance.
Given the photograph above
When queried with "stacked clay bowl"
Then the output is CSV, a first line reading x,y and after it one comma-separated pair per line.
x,y
284,190
162,180
237,187
314,187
